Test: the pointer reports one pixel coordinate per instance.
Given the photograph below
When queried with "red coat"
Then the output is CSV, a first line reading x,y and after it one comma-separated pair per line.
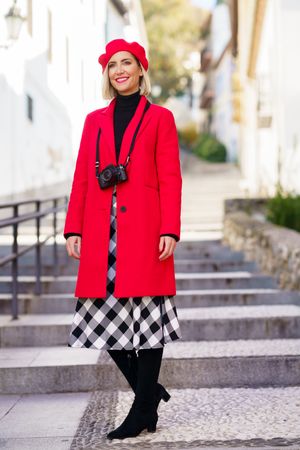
x,y
151,197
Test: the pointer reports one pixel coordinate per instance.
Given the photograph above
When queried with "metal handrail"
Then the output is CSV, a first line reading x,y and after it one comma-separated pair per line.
x,y
13,257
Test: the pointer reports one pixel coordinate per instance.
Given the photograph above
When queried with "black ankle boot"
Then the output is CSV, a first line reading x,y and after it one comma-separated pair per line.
x,y
136,421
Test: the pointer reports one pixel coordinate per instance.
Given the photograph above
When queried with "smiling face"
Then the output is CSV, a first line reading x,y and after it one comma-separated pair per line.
x,y
124,72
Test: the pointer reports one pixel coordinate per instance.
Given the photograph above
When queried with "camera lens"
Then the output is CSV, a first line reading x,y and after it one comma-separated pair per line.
x,y
107,174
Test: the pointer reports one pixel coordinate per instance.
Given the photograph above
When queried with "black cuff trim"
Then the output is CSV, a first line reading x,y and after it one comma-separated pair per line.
x,y
66,235
172,235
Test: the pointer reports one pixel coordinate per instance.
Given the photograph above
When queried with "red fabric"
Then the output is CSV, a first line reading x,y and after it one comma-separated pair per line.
x,y
118,45
151,195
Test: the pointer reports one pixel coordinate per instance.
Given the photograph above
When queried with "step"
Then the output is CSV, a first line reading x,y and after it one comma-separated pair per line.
x,y
28,260
235,297
46,269
211,323
219,253
65,303
202,265
190,247
69,266
36,421
46,251
185,250
251,363
222,280
240,322
181,265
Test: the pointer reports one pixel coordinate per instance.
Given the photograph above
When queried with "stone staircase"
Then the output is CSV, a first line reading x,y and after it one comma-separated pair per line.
x,y
238,328
234,379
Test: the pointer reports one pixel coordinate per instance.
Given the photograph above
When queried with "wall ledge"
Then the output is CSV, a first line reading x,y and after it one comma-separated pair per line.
x,y
276,249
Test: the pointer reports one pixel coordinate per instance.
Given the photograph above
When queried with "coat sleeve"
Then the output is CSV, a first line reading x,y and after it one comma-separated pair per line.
x,y
171,235
169,174
75,210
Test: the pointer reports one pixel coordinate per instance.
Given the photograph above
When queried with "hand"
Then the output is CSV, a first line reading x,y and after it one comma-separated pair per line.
x,y
169,243
71,243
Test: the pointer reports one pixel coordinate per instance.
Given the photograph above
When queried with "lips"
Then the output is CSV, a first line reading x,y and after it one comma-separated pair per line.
x,y
121,79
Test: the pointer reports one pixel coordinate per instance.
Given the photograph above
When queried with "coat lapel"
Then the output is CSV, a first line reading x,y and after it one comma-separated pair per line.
x,y
107,131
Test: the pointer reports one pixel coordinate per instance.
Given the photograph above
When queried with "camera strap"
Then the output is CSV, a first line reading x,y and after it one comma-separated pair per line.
x,y
147,106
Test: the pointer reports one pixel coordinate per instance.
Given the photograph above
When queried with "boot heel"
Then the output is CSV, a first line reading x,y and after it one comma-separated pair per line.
x,y
151,427
166,396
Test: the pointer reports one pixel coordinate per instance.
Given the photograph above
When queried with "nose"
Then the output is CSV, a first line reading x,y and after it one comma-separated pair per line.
x,y
120,69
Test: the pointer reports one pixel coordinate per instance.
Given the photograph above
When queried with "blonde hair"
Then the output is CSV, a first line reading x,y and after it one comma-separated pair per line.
x,y
109,92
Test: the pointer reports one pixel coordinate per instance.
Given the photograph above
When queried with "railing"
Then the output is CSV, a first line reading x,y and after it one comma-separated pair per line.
x,y
14,221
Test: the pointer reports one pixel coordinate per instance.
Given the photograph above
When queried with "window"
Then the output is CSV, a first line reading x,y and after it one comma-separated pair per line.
x,y
29,107
82,81
67,60
93,13
49,36
29,16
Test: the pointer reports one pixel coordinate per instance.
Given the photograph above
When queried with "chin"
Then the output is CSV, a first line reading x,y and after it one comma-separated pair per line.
x,y
124,89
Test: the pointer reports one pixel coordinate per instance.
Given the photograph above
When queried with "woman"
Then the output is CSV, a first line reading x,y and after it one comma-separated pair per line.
x,y
124,229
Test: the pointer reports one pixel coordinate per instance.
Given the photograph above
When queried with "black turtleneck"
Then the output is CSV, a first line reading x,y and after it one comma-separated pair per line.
x,y
124,110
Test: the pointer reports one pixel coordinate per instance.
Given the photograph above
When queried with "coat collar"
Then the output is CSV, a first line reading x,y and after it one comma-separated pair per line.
x,y
107,128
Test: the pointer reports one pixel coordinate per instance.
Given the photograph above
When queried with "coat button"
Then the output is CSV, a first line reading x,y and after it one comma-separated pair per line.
x,y
123,208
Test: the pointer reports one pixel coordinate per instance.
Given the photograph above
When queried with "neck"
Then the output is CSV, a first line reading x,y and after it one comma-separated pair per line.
x,y
129,100
129,95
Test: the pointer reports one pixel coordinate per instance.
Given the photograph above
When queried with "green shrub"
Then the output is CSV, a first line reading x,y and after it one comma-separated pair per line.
x,y
284,210
188,135
209,148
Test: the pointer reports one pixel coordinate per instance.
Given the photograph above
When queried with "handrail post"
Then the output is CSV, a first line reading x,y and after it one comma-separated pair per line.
x,y
66,207
38,251
14,267
55,252
13,257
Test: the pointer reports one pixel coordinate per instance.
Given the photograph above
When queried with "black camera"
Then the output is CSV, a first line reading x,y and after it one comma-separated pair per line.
x,y
111,175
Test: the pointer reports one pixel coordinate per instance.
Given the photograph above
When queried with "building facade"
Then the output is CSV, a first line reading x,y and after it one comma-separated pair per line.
x,y
251,94
217,64
50,79
267,76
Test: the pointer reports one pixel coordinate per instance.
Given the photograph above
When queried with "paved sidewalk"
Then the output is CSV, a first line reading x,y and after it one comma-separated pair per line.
x,y
40,422
205,187
266,418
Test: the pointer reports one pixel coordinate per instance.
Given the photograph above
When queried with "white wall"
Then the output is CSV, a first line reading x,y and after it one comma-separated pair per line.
x,y
222,125
291,93
271,154
43,151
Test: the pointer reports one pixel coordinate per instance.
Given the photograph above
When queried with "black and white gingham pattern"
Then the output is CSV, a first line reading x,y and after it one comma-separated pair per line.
x,y
123,323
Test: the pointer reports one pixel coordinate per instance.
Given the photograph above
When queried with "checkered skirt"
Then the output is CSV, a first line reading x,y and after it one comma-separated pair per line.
x,y
123,323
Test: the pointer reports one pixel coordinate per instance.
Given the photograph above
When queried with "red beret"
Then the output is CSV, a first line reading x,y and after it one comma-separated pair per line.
x,y
118,45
